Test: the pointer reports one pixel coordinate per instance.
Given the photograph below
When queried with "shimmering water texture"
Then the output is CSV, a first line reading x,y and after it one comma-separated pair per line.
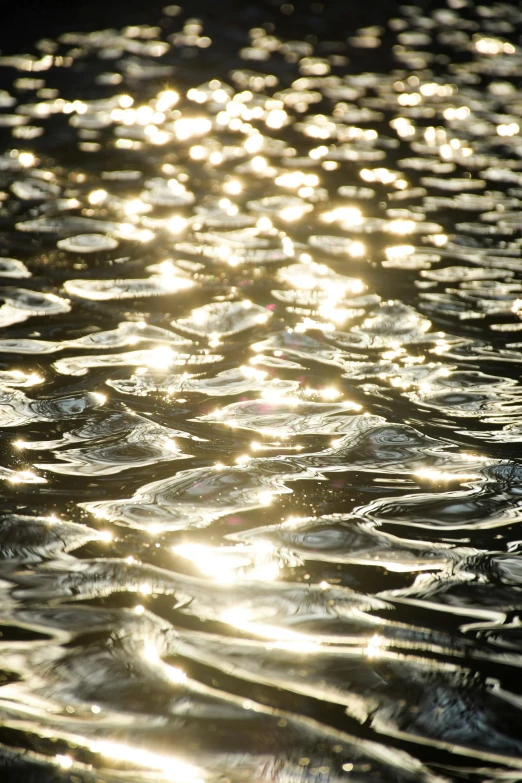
x,y
260,403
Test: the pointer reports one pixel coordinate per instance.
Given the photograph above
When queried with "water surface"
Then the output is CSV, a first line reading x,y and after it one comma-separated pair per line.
x,y
260,402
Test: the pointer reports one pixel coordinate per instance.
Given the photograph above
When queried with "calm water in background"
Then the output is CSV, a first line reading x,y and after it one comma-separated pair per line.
x,y
260,400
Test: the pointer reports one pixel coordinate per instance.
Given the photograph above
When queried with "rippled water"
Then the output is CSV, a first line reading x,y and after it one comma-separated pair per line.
x,y
261,409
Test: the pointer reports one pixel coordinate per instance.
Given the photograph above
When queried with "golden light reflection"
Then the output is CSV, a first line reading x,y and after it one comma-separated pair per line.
x,y
296,179
459,113
318,152
176,675
27,159
409,99
216,158
186,128
177,224
276,119
439,240
508,129
401,226
226,565
25,379
375,647
127,144
433,474
136,207
106,535
264,224
294,213
331,393
198,152
403,126
350,216
166,100
398,251
156,136
152,655
63,761
282,638
310,323
173,769
132,232
160,357
259,164
97,197
492,46
233,187
25,477
253,143
357,250
312,276
299,646
253,373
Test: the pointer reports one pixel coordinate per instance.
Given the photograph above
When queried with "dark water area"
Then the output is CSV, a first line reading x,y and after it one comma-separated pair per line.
x,y
260,401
